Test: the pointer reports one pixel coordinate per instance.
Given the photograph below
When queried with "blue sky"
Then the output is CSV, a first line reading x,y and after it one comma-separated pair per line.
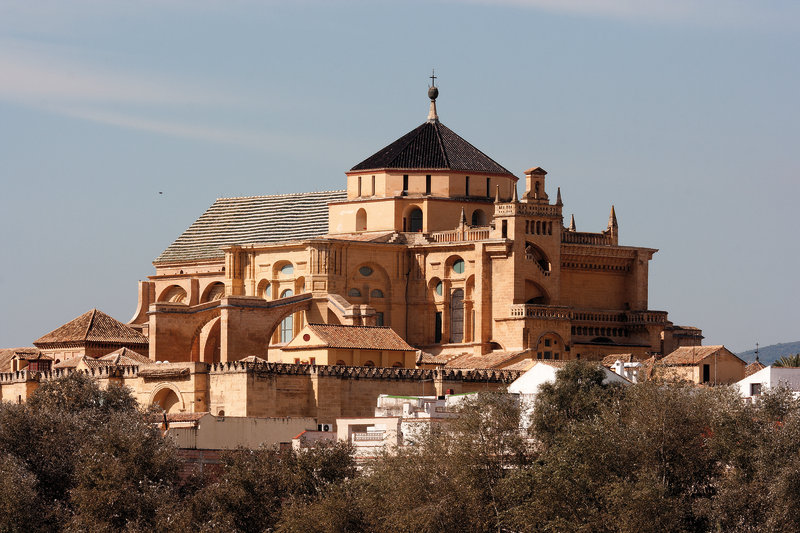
x,y
683,114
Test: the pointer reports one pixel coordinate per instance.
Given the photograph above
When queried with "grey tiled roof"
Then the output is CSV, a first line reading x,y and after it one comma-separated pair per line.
x,y
252,220
432,146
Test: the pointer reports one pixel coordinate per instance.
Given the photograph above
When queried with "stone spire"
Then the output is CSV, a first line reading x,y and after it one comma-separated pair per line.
x,y
463,219
558,198
514,197
612,219
433,93
497,195
572,223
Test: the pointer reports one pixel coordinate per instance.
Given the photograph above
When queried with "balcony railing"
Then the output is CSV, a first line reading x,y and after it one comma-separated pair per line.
x,y
370,436
581,315
467,234
577,237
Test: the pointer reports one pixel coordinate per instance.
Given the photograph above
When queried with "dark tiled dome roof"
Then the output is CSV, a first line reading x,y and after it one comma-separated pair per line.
x,y
432,146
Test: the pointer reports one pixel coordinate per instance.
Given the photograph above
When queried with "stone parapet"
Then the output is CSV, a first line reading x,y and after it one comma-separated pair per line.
x,y
527,210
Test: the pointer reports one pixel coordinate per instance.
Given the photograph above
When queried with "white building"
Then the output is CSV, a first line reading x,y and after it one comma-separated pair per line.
x,y
528,384
772,376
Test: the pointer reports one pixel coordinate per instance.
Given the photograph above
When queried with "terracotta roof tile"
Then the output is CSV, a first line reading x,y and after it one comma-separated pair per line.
x,y
93,326
614,357
358,337
252,220
752,368
7,354
488,361
431,146
127,357
692,355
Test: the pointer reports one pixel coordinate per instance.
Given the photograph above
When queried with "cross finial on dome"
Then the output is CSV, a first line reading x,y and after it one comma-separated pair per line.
x,y
433,93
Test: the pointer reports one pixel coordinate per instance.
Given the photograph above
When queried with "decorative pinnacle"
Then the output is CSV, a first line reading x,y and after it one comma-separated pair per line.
x,y
514,197
612,219
497,194
572,223
463,220
433,93
558,198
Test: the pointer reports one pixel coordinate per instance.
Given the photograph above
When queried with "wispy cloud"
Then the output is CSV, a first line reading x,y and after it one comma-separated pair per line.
x,y
38,73
172,128
54,80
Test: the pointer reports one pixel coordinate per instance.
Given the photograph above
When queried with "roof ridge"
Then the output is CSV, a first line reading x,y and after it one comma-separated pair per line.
x,y
441,143
278,195
91,321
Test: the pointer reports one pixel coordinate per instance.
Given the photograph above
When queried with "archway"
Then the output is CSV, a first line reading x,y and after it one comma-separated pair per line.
x,y
535,294
168,398
214,292
415,220
478,218
550,345
210,342
361,220
173,294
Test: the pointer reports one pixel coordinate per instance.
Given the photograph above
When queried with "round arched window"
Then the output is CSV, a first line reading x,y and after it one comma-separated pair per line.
x,y
365,271
458,266
439,289
354,292
376,293
287,269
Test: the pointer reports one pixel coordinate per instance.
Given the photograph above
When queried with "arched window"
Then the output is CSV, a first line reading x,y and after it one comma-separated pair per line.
x,y
439,289
478,218
361,220
265,289
376,293
369,363
415,220
458,266
457,316
287,269
397,364
355,293
287,324
365,271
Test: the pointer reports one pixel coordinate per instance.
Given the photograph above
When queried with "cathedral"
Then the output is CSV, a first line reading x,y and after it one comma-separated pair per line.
x,y
428,270
428,258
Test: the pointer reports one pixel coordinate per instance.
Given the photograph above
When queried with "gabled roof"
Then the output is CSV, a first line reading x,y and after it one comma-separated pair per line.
x,y
609,360
496,359
692,355
127,357
7,354
92,326
431,146
252,220
753,367
352,337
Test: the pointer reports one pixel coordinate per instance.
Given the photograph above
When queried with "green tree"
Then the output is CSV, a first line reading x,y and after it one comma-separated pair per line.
x,y
255,484
91,453
788,361
578,393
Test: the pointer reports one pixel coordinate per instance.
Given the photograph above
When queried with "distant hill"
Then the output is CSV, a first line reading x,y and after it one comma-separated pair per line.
x,y
768,354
